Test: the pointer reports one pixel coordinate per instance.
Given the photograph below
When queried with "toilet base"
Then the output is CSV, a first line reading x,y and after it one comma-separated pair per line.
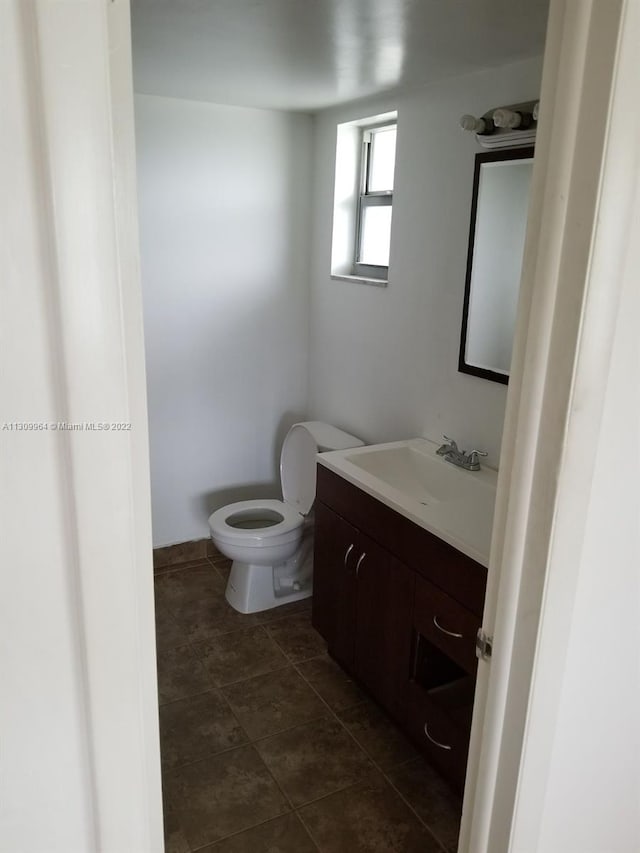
x,y
252,588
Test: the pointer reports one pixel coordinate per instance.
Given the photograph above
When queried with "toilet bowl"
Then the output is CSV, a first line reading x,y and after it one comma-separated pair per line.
x,y
271,541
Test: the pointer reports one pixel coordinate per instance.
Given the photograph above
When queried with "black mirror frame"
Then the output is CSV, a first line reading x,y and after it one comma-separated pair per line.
x,y
483,157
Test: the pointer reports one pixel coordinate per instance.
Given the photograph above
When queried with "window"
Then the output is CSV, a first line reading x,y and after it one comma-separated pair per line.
x,y
374,206
363,199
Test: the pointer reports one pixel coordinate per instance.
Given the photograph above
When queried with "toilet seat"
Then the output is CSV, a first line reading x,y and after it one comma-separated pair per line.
x,y
274,534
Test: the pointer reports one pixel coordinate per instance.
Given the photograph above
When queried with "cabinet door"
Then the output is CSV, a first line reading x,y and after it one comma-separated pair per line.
x,y
383,618
334,583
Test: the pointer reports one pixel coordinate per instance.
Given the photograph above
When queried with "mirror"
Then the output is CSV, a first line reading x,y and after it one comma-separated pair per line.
x,y
494,262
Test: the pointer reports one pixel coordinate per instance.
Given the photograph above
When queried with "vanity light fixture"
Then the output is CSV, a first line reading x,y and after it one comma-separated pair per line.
x,y
513,126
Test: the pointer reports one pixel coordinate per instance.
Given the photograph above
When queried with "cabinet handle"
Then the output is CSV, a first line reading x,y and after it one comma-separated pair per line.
x,y
434,741
444,630
362,556
346,555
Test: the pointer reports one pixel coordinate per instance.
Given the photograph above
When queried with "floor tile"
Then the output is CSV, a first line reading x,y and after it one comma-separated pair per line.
x,y
222,566
223,795
369,817
438,806
160,571
313,760
160,558
297,638
195,727
169,634
377,735
271,703
180,674
331,682
285,834
175,841
210,617
185,552
290,608
241,655
195,583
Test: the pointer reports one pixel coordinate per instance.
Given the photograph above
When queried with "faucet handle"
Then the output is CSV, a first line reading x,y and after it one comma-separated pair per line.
x,y
450,447
474,462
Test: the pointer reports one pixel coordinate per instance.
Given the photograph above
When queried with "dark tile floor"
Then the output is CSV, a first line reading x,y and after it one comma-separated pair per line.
x,y
268,747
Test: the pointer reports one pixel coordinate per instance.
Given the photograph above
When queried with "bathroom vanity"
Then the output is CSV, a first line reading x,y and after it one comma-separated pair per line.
x,y
399,589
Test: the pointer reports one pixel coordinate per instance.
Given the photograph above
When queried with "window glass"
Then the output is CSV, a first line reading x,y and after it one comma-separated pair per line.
x,y
375,236
383,158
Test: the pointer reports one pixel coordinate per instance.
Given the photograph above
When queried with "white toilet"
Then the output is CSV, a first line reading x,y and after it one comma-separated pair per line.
x,y
270,541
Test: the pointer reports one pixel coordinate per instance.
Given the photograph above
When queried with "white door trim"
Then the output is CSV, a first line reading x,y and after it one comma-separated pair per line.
x,y
577,261
77,539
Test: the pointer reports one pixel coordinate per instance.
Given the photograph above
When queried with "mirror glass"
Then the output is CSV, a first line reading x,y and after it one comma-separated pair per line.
x,y
494,262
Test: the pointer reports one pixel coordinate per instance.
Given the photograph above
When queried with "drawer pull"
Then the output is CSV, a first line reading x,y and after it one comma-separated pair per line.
x,y
346,555
444,630
434,741
362,556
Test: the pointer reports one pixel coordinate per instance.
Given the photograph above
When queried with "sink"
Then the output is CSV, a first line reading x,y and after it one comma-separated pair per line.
x,y
410,470
454,504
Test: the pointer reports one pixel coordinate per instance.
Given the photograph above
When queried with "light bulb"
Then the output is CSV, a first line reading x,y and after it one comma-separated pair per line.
x,y
481,126
507,118
470,123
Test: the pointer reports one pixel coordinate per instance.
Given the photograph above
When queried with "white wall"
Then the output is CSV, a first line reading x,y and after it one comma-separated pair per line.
x,y
224,236
383,361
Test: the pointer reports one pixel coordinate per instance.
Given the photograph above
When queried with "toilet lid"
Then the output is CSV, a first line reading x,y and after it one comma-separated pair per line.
x,y
298,469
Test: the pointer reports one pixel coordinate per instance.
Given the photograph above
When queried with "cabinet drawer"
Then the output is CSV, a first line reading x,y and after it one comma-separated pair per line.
x,y
446,624
441,735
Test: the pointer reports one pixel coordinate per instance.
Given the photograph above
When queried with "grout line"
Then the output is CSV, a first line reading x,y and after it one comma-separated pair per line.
x,y
375,763
407,803
248,828
275,781
304,826
262,738
309,832
286,665
251,740
332,714
300,725
179,567
182,698
249,743
209,755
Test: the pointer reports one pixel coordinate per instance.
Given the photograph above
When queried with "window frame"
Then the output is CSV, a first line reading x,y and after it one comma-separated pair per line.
x,y
368,198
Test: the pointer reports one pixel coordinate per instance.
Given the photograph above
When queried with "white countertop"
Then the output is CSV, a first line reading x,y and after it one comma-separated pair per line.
x,y
408,476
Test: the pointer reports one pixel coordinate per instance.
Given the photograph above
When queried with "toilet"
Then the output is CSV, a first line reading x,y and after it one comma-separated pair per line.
x,y
271,541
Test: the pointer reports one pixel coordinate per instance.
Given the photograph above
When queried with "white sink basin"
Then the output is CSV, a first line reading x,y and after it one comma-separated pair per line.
x,y
410,470
454,504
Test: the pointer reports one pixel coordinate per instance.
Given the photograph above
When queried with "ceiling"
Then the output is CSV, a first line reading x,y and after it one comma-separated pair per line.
x,y
310,54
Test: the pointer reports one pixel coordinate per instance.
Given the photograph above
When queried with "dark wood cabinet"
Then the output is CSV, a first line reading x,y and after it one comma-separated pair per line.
x,y
384,602
442,685
399,610
363,599
334,588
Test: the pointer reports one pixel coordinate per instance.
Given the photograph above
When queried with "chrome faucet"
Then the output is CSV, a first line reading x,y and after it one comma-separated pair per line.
x,y
451,453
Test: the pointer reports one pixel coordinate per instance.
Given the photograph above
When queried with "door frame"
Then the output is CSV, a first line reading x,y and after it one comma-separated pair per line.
x,y
81,756
579,259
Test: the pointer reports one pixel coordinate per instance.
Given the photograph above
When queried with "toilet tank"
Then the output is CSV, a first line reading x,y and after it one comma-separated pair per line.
x,y
298,459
